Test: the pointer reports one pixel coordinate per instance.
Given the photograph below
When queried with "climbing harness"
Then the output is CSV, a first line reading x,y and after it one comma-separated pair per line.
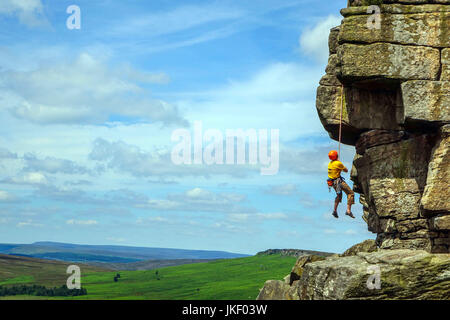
x,y
337,183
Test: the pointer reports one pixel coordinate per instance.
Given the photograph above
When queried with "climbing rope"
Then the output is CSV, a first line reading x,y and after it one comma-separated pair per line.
x,y
340,122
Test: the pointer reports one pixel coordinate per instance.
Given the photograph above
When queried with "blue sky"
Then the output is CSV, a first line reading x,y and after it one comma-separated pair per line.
x,y
87,117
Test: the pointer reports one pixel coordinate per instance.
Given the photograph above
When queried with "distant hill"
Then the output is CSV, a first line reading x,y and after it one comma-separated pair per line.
x,y
294,252
107,253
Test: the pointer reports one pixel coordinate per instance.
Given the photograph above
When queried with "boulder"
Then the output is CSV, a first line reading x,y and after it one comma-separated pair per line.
x,y
330,80
297,270
441,222
360,3
423,29
328,105
360,275
426,101
403,274
388,61
436,195
333,40
274,290
445,60
365,246
394,241
376,137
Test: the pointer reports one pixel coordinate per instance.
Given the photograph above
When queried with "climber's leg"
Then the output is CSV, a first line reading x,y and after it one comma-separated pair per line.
x,y
350,198
337,200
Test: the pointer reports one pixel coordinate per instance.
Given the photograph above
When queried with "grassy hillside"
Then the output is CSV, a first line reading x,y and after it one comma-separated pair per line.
x,y
146,264
24,270
238,278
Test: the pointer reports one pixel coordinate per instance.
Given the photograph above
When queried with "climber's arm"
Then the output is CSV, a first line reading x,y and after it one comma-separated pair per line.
x,y
342,167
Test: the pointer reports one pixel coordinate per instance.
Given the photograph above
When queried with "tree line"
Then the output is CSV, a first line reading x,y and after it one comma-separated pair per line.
x,y
38,290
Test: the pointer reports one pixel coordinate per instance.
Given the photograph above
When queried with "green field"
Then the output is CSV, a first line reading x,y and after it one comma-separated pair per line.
x,y
238,278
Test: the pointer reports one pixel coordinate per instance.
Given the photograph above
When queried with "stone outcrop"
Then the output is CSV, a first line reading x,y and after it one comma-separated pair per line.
x,y
393,85
274,290
294,252
287,289
365,246
365,272
403,274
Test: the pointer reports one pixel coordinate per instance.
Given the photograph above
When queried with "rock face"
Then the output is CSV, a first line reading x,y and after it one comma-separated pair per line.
x,y
287,289
393,84
358,274
365,246
401,274
294,252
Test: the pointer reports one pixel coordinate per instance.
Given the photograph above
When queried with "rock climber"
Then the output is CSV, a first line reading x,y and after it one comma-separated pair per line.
x,y
338,183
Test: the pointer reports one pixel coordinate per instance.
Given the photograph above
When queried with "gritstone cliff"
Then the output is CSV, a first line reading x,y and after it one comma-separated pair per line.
x,y
393,84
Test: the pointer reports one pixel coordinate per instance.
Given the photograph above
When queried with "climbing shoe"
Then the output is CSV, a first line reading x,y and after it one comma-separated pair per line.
x,y
350,214
335,214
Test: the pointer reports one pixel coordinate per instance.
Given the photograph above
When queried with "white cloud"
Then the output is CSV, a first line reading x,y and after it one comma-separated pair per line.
x,y
348,232
145,77
187,25
85,91
29,178
288,234
131,159
198,200
236,227
126,158
52,165
29,223
312,159
82,222
152,219
29,12
160,204
198,193
279,96
6,154
6,196
287,189
241,217
4,220
67,195
314,40
178,19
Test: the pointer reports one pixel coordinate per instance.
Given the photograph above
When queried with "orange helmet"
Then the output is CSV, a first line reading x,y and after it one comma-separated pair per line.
x,y
333,155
